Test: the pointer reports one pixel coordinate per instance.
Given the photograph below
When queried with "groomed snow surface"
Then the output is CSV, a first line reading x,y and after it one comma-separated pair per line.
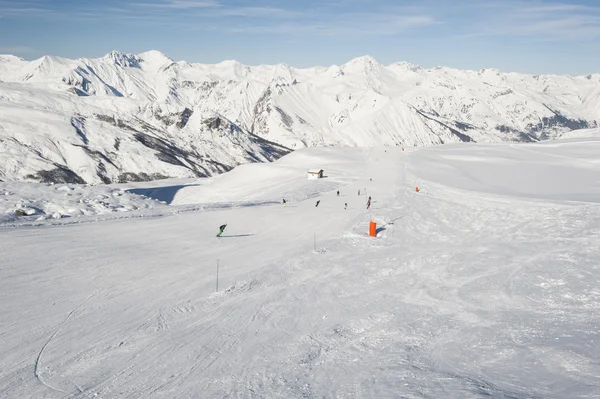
x,y
485,283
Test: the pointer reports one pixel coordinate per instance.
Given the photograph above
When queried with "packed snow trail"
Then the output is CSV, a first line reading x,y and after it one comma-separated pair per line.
x,y
464,294
128,265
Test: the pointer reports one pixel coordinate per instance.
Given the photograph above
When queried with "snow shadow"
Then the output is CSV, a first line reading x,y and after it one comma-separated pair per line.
x,y
237,235
391,222
166,194
226,205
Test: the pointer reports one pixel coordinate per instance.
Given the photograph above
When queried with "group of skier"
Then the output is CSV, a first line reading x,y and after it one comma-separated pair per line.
x,y
284,202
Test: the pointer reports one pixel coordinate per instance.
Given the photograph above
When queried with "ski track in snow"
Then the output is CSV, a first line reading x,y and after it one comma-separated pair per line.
x,y
36,371
469,290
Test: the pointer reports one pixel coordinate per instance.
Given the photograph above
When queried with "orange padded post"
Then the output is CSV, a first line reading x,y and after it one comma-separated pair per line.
x,y
373,229
417,189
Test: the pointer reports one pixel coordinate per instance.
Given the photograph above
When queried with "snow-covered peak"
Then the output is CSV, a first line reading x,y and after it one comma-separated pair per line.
x,y
123,60
489,71
154,61
8,58
365,65
364,60
230,64
283,73
9,64
407,66
184,64
48,62
154,55
46,68
232,68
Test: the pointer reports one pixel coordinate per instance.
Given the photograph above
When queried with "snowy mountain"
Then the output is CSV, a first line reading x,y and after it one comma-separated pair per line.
x,y
127,117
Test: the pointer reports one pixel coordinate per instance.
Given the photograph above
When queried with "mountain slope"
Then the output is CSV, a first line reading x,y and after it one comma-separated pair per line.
x,y
145,116
46,136
482,285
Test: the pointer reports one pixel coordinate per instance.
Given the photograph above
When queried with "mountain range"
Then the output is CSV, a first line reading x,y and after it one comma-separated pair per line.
x,y
126,117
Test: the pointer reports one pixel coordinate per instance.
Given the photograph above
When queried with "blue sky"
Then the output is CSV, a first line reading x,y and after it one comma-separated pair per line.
x,y
528,36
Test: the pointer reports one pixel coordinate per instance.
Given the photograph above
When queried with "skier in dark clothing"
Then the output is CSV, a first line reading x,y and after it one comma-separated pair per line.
x,y
284,202
317,203
221,229
338,193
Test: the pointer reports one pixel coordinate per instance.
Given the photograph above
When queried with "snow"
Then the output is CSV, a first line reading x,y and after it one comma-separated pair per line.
x,y
86,115
68,201
562,170
483,284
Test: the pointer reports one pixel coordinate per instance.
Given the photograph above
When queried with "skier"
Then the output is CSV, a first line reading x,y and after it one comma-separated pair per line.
x,y
345,205
338,193
369,203
359,191
221,229
284,202
317,203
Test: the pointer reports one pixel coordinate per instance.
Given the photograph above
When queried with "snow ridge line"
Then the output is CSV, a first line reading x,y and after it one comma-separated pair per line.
x,y
39,357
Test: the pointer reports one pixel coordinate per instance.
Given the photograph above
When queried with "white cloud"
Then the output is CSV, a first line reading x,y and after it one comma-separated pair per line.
x,y
547,21
180,4
262,12
551,8
331,22
390,27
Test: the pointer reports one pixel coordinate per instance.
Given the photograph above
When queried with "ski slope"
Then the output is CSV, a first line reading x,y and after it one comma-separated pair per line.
x,y
483,284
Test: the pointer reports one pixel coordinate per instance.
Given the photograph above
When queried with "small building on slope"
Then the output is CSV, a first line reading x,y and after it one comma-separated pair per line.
x,y
314,174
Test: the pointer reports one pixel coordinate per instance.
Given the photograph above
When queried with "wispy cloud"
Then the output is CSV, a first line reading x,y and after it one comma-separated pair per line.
x,y
32,8
381,23
348,26
327,17
543,21
194,14
257,12
333,17
179,4
552,8
29,12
